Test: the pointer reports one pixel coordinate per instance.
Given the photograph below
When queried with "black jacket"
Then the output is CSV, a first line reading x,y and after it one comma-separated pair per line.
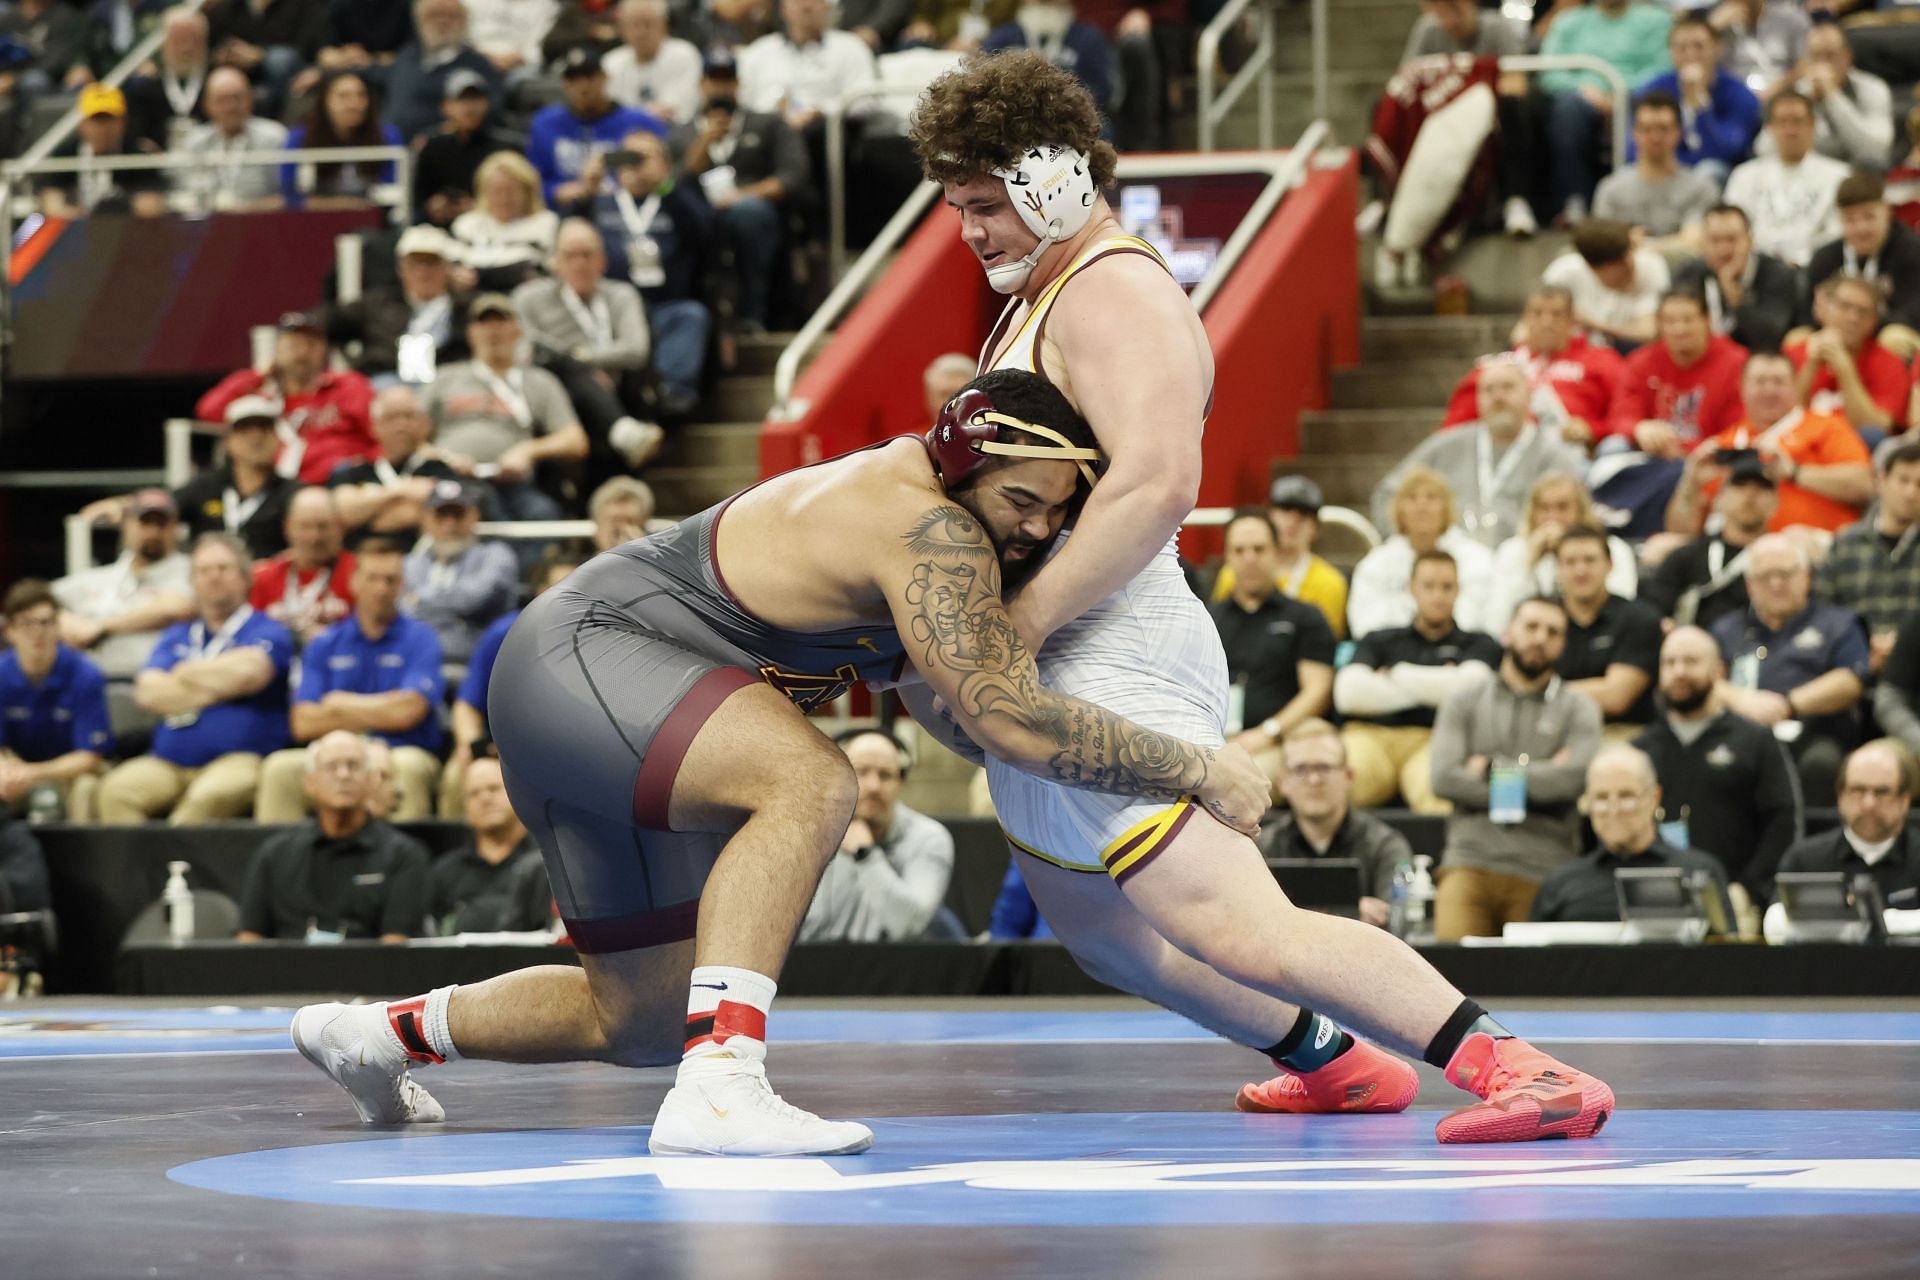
x,y
1829,851
1898,265
1774,302
1583,889
1737,791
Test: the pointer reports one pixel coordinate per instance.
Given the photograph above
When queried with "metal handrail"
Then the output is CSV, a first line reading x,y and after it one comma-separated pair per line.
x,y
1622,102
835,122
1286,168
142,50
307,158
786,371
1214,107
1287,175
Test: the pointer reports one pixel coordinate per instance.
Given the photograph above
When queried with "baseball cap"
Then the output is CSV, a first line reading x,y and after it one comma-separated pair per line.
x,y
149,502
720,65
1296,493
425,239
1751,469
490,304
302,322
463,82
253,409
581,60
102,100
452,493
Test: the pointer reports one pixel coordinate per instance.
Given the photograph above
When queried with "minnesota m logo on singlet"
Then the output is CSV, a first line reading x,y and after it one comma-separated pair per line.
x,y
811,692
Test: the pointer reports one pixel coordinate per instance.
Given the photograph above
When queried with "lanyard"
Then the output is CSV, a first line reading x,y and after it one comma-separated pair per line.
x,y
1856,265
1297,578
202,647
431,317
301,601
507,390
183,94
235,510
638,217
1492,479
594,318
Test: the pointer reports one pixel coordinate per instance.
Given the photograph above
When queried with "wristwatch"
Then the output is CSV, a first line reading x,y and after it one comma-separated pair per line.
x,y
1271,727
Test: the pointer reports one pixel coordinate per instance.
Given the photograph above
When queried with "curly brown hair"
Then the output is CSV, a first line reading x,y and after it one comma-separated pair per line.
x,y
986,111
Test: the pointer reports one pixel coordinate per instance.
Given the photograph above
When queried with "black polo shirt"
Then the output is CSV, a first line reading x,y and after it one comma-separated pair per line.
x,y
204,500
1829,851
1691,568
371,883
364,472
1735,788
1381,650
1583,889
1624,631
1264,647
472,895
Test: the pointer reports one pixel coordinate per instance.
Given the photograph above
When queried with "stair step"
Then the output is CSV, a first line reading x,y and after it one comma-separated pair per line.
x,y
739,397
1347,479
717,444
689,489
1343,431
1459,338
758,355
1412,384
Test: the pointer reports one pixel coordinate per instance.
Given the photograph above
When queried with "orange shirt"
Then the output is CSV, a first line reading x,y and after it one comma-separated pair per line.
x,y
1817,440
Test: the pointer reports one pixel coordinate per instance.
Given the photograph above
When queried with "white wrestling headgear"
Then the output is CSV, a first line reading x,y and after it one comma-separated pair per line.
x,y
1052,190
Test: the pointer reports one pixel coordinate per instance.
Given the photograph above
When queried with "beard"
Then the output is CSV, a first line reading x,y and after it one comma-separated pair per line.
x,y
1015,572
1688,698
1529,670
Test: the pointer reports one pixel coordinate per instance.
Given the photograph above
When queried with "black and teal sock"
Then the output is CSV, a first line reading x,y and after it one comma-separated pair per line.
x,y
1311,1045
1466,1020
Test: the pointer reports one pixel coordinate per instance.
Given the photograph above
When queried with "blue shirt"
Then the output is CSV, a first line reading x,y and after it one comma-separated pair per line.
x,y
65,712
1014,912
342,658
1818,639
559,143
473,689
1084,51
1724,131
256,723
334,179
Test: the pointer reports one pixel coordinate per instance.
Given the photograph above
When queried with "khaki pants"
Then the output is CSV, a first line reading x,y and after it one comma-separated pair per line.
x,y
149,787
453,791
1392,760
1614,735
1475,903
78,799
283,791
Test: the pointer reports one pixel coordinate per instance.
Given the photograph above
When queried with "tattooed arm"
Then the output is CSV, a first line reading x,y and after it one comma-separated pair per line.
x,y
937,719
944,590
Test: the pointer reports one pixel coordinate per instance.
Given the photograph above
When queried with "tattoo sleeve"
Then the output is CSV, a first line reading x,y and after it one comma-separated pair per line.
x,y
957,628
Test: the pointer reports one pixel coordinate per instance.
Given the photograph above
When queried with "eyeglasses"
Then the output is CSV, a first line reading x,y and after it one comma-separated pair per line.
x,y
348,768
1314,772
1875,794
1627,801
35,621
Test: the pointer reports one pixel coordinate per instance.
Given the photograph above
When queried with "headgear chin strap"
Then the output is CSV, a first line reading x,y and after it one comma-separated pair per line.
x,y
969,428
1052,190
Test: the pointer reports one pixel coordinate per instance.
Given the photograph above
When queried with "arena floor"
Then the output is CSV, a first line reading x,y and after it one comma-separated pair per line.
x,y
1018,1138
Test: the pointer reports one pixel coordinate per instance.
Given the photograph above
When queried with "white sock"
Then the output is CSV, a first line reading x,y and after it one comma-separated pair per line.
x,y
727,1013
439,1038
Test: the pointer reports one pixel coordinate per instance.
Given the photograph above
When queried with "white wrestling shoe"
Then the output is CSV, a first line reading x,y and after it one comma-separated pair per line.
x,y
731,1110
351,1044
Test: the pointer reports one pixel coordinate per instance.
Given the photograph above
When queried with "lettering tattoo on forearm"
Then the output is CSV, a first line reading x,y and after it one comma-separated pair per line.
x,y
960,626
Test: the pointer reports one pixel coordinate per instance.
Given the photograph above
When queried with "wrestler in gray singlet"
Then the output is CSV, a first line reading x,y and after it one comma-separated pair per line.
x,y
599,690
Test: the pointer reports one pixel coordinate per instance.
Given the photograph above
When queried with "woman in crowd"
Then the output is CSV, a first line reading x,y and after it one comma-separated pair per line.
x,y
343,115
1523,565
1425,518
508,235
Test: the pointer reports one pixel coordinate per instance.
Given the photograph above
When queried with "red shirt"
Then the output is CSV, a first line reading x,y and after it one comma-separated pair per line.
x,y
1885,377
304,603
1700,400
1581,374
1903,193
333,420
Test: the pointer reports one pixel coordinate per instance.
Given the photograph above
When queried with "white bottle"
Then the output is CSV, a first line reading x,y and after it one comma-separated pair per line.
x,y
179,900
1420,898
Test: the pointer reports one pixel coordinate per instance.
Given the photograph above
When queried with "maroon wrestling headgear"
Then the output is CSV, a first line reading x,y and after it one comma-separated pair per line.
x,y
968,429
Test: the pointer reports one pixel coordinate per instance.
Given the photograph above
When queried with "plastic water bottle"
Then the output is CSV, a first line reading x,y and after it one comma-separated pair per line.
x,y
179,900
1419,897
1397,898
